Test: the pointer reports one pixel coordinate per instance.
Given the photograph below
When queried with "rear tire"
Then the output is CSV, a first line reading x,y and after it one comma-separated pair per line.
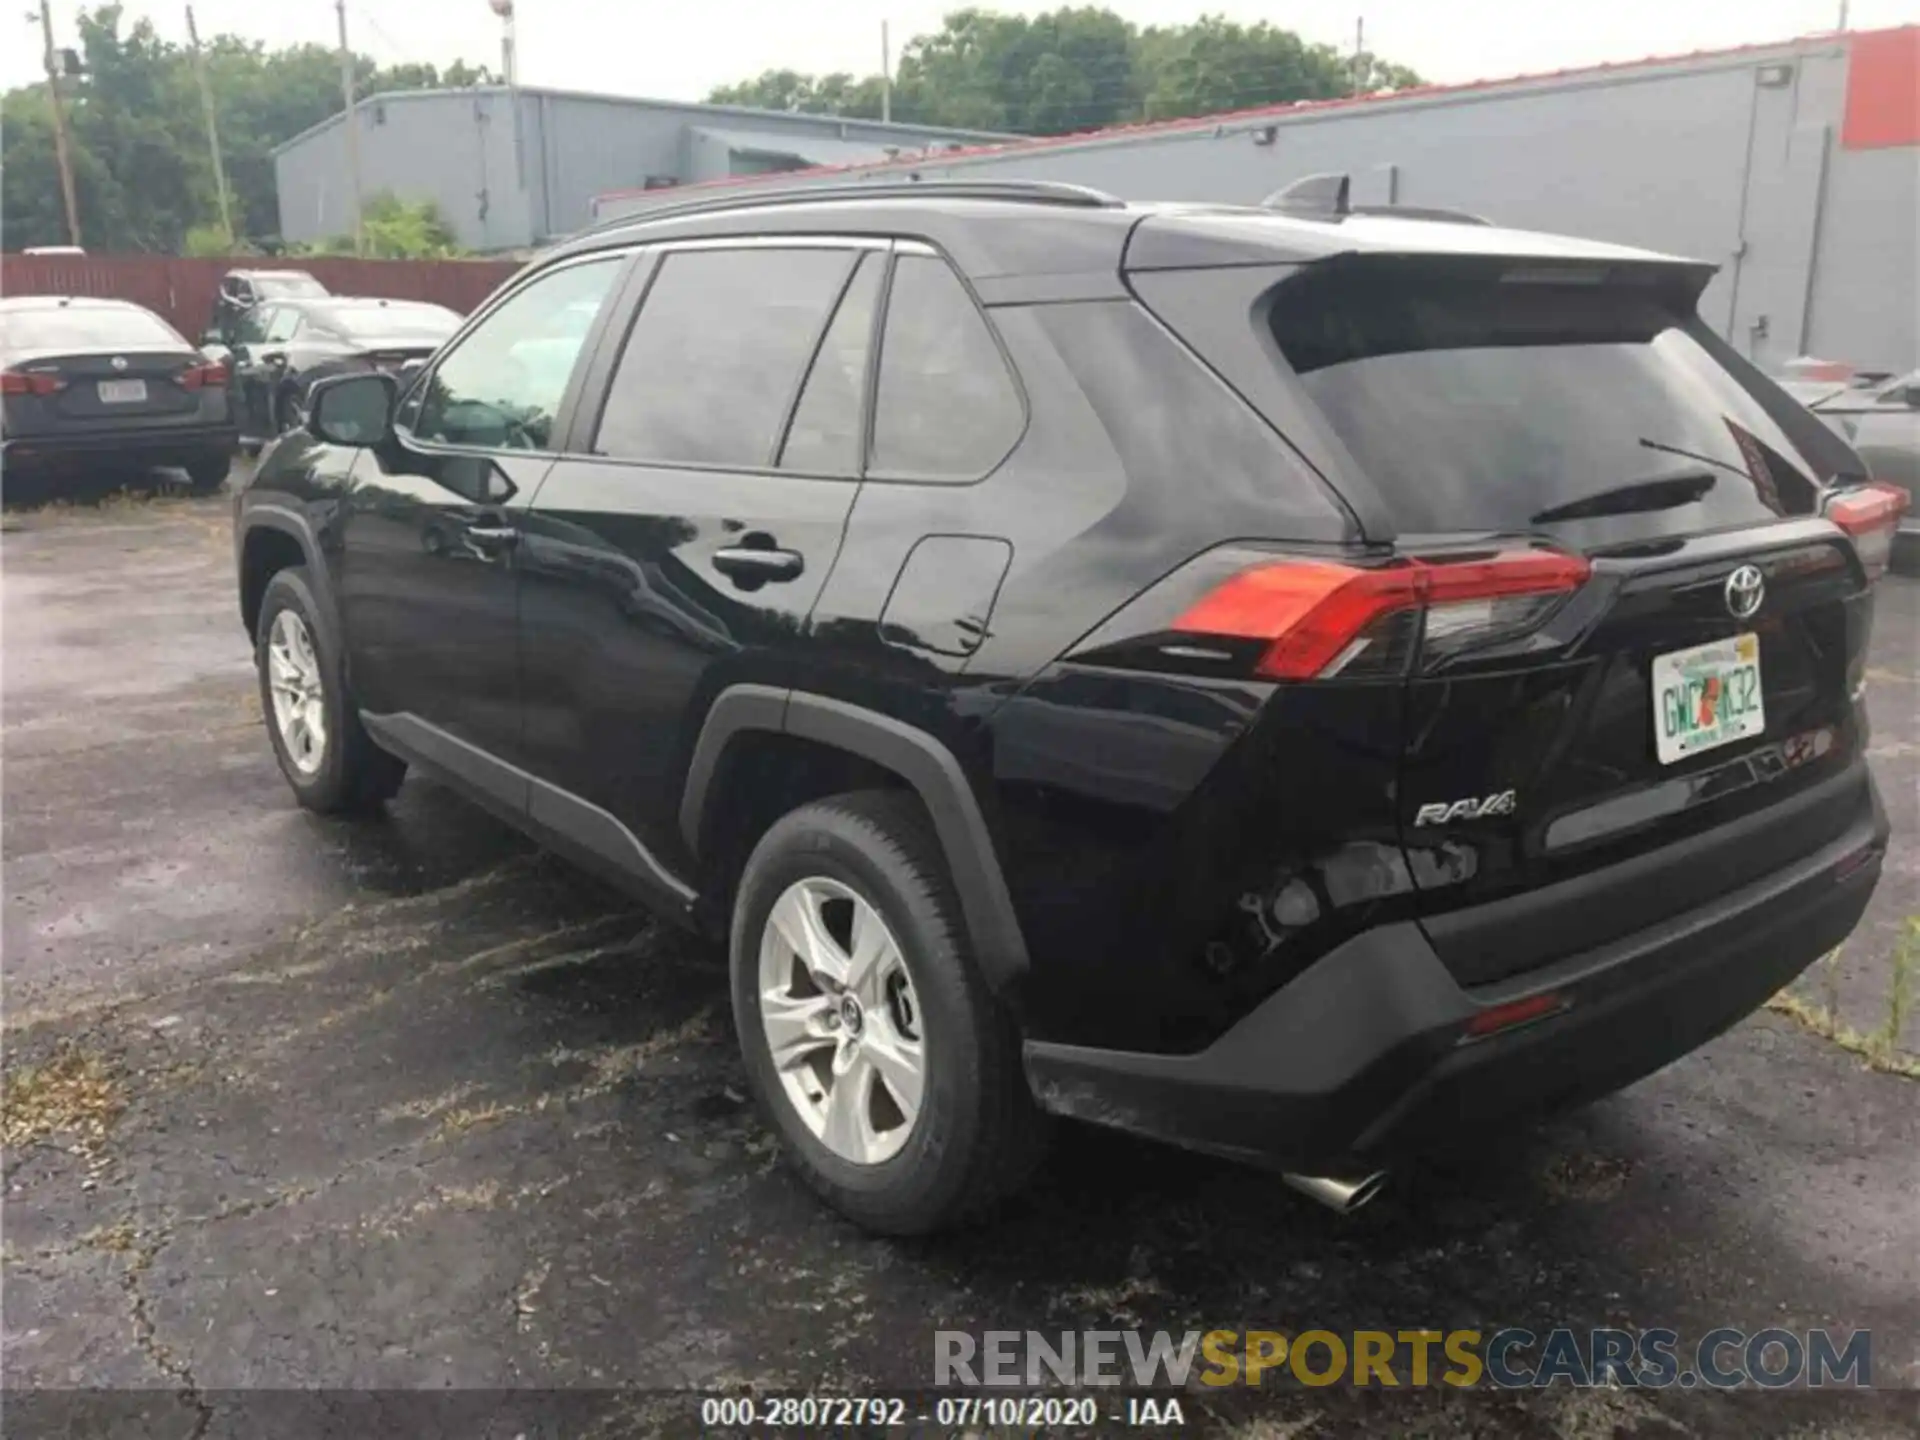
x,y
324,751
974,1134
209,474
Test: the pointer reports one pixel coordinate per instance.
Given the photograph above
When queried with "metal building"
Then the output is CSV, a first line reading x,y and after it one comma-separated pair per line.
x,y
512,167
1795,167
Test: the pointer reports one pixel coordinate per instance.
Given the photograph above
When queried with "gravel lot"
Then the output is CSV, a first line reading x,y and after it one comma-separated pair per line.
x,y
408,1105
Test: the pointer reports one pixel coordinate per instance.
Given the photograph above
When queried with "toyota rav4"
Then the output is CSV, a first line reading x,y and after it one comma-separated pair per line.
x,y
1299,682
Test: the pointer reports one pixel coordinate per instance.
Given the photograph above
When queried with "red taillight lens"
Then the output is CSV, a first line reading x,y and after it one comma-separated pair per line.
x,y
30,382
1870,514
1320,616
209,376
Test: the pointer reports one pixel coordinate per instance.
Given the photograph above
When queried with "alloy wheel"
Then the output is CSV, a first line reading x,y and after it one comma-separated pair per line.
x,y
293,679
841,1020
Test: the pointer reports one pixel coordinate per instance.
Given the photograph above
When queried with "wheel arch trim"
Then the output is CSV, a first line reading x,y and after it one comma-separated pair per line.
x,y
928,767
259,515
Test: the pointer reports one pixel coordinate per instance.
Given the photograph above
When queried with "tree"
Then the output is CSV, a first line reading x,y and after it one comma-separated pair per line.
x,y
141,167
397,229
1077,69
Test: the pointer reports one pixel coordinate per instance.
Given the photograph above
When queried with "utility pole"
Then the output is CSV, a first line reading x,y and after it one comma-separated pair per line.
x,y
508,58
1359,54
213,126
62,146
351,123
886,76
1843,16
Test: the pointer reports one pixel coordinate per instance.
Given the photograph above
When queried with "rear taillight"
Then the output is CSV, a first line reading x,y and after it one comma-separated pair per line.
x,y
1320,618
1870,514
208,376
30,382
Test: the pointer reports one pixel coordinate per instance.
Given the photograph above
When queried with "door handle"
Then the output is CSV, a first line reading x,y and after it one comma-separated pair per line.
x,y
751,566
492,537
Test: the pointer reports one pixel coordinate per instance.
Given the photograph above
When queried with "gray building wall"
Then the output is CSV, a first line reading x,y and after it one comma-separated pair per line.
x,y
1731,158
505,185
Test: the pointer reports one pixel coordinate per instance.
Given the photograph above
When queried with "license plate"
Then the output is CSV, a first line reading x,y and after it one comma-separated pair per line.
x,y
122,392
1707,697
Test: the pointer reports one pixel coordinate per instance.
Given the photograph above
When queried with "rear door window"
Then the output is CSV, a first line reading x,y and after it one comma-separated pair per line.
x,y
828,423
714,361
1501,396
947,408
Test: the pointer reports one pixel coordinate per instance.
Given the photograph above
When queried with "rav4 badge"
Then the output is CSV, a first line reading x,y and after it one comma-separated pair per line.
x,y
1505,802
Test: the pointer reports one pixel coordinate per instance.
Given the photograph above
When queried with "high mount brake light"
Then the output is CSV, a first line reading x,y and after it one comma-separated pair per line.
x,y
1319,616
1870,514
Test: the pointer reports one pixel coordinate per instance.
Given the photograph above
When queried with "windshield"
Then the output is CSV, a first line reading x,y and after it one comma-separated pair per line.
x,y
399,320
87,327
1478,396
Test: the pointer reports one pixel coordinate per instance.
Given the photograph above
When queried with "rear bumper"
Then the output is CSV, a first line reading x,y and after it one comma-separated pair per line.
x,y
1365,1056
148,445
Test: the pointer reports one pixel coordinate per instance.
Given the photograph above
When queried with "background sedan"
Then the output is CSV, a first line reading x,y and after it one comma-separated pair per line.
x,y
281,347
1881,420
95,387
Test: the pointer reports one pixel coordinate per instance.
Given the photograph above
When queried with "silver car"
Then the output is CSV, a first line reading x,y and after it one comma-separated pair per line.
x,y
1881,420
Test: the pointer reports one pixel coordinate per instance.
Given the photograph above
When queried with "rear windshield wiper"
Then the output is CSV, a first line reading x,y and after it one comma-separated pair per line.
x,y
1656,492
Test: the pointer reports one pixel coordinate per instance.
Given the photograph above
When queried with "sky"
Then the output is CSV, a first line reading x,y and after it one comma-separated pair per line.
x,y
676,50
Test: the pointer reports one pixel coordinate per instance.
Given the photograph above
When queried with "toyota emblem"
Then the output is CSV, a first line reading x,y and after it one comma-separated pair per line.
x,y
1746,590
119,362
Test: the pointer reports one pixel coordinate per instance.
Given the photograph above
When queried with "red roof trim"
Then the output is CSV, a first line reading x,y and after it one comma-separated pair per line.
x,y
1290,108
1883,91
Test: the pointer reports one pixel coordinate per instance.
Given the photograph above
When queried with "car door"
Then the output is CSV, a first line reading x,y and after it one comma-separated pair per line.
x,y
425,542
681,548
249,344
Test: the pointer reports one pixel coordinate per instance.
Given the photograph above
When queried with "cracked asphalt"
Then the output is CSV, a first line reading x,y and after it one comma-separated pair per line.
x,y
408,1106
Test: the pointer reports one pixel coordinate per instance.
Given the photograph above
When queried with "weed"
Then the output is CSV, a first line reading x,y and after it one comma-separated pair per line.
x,y
70,1093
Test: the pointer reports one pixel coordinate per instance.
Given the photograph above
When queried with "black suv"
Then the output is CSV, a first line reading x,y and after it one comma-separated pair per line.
x,y
1298,683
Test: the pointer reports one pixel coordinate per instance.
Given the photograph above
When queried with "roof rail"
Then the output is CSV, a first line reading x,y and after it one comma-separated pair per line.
x,y
1031,192
1423,212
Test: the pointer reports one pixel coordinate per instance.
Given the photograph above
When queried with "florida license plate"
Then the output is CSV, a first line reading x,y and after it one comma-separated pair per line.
x,y
1707,697
122,392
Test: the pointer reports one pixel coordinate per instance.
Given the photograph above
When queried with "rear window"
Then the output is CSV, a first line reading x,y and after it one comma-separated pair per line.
x,y
1500,396
287,286
86,328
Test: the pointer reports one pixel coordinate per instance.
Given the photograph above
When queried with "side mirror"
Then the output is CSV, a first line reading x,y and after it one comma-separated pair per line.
x,y
352,409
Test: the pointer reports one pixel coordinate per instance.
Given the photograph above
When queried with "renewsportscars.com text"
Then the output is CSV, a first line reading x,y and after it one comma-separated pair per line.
x,y
1510,1358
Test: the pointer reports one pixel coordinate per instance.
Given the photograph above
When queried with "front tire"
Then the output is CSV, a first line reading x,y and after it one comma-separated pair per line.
x,y
324,751
870,1038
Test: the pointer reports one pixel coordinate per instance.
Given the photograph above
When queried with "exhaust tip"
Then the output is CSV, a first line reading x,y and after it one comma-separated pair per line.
x,y
1341,1193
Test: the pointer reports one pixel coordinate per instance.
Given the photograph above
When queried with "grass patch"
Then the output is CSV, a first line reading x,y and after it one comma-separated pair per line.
x,y
70,1094
1880,1049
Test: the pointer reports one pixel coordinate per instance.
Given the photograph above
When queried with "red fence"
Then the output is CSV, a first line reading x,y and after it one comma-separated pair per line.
x,y
182,291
